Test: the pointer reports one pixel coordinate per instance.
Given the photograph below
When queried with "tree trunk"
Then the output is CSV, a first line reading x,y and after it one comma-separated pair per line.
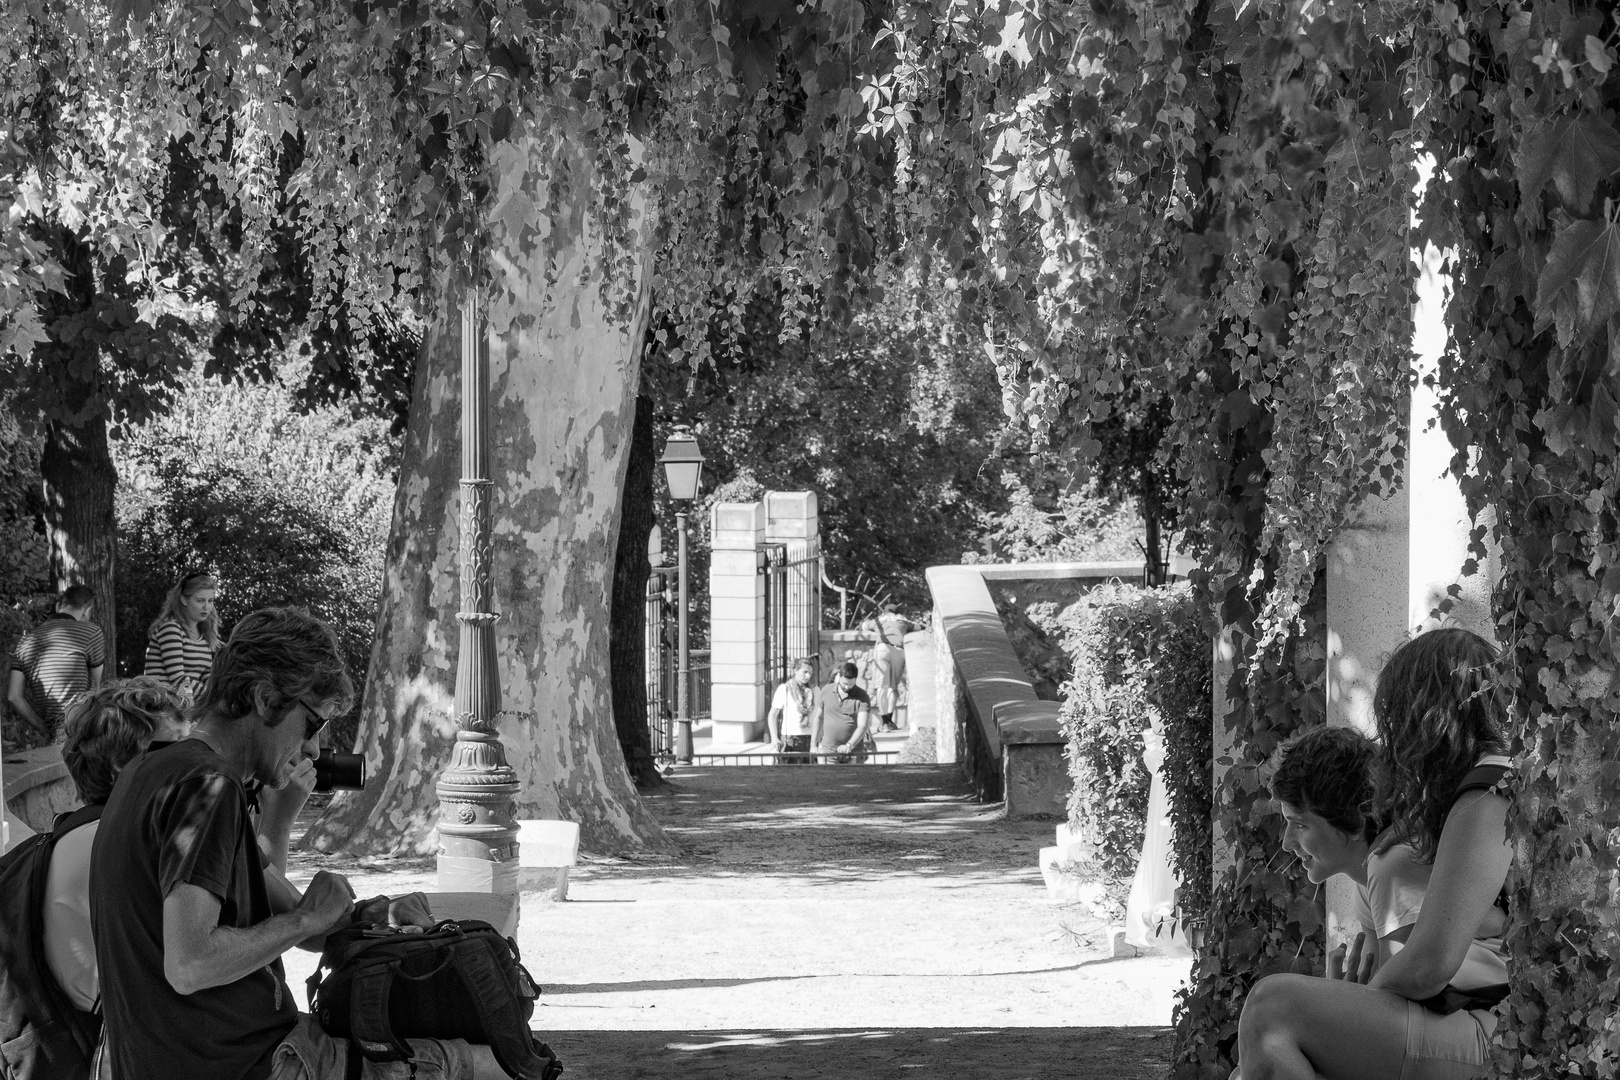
x,y
628,646
79,479
563,381
76,470
1156,568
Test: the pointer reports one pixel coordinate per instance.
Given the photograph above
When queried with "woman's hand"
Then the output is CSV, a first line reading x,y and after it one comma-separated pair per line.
x,y
1354,963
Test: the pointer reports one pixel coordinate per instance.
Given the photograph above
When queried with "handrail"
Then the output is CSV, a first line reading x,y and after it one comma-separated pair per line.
x,y
843,597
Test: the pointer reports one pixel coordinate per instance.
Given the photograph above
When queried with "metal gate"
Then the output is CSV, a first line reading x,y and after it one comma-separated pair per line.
x,y
792,611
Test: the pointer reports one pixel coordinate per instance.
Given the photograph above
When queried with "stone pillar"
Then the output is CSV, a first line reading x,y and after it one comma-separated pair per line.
x,y
1367,600
1389,571
791,520
1440,517
736,623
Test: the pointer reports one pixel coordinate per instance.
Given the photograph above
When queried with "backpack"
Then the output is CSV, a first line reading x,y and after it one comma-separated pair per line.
x,y
43,1036
459,980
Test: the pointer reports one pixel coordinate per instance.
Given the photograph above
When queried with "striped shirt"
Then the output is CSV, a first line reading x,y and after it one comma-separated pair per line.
x,y
55,658
178,659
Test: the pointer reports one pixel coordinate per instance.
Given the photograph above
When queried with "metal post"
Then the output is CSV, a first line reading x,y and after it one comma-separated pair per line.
x,y
683,676
477,833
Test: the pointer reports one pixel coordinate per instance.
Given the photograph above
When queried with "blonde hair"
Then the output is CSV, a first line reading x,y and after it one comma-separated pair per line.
x,y
188,586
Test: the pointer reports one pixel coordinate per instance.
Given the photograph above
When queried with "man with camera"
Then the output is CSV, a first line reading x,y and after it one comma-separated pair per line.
x,y
189,923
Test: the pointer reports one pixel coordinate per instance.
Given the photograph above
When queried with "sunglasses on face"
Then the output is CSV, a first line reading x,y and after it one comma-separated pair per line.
x,y
313,720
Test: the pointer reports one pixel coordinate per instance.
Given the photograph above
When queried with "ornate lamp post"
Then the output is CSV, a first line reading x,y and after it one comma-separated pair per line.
x,y
683,468
477,833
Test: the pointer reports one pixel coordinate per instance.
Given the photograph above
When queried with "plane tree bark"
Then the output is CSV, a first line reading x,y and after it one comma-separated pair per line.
x,y
563,377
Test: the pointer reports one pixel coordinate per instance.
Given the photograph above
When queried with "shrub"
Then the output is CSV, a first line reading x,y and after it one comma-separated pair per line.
x,y
284,508
1139,653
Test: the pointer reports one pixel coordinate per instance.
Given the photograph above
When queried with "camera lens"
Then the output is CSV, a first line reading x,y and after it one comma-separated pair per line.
x,y
339,772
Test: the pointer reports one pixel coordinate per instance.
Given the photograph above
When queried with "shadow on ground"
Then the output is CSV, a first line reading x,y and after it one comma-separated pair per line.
x,y
868,1054
838,824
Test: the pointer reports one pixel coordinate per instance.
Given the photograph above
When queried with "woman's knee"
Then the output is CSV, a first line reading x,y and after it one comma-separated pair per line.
x,y
1273,1003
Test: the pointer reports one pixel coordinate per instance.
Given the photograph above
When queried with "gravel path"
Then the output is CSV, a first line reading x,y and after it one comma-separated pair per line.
x,y
857,921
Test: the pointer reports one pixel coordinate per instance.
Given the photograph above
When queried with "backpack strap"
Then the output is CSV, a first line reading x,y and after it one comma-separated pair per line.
x,y
369,1028
507,1028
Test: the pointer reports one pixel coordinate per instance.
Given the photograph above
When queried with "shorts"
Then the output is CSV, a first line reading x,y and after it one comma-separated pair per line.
x,y
1449,1046
308,1053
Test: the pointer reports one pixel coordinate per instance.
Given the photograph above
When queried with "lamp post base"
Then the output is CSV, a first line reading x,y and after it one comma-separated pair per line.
x,y
683,741
477,836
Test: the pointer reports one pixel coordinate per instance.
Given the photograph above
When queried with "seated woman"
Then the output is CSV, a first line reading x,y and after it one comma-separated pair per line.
x,y
1426,1011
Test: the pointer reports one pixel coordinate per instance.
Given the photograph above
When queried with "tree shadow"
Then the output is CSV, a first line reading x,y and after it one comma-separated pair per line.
x,y
835,825
1070,1053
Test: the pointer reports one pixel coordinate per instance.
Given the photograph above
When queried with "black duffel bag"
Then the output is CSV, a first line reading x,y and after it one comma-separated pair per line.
x,y
459,980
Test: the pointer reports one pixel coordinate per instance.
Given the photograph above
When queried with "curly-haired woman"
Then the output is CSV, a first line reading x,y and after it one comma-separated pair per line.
x,y
1426,1013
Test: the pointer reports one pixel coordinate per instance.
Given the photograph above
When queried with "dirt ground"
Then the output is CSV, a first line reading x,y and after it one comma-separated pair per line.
x,y
822,921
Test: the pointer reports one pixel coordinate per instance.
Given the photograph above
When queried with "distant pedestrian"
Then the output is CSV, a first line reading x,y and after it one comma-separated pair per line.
x,y
57,661
886,668
792,711
843,718
181,644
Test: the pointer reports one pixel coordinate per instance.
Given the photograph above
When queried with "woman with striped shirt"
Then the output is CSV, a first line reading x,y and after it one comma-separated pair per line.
x,y
181,644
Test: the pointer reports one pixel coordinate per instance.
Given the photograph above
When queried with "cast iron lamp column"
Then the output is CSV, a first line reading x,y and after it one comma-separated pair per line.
x,y
683,468
477,834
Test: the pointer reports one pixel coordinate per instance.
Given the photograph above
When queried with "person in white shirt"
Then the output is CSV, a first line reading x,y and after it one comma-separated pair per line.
x,y
789,718
1416,996
105,729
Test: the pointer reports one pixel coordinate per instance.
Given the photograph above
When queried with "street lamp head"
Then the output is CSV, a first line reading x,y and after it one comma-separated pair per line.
x,y
683,465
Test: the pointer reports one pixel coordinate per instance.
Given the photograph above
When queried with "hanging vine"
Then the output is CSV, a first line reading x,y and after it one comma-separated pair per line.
x,y
1523,104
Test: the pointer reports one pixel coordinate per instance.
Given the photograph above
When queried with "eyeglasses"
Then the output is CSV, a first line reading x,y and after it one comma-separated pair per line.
x,y
313,720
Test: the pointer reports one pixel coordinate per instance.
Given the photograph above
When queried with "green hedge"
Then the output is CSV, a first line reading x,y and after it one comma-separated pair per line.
x,y
285,508
1137,652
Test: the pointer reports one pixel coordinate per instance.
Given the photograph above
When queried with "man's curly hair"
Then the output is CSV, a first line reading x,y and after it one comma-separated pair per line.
x,y
1439,707
1328,771
281,654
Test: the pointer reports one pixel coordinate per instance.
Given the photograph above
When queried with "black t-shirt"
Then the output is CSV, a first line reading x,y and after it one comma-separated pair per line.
x,y
179,815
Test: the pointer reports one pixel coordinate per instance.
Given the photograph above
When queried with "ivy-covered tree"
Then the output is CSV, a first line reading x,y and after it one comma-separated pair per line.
x,y
1522,113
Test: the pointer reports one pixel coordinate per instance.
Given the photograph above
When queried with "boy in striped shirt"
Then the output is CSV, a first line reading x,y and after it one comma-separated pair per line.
x,y
57,661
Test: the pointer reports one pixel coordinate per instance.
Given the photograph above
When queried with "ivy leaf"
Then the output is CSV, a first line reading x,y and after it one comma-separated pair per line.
x,y
1576,154
1586,255
1511,277
1598,56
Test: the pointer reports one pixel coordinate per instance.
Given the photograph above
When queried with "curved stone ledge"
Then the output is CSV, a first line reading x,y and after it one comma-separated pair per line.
x,y
989,720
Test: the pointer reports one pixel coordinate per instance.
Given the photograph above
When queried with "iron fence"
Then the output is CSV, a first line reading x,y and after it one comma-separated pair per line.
x,y
873,757
792,611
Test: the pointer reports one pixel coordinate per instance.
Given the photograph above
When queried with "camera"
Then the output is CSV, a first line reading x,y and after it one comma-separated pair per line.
x,y
339,772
